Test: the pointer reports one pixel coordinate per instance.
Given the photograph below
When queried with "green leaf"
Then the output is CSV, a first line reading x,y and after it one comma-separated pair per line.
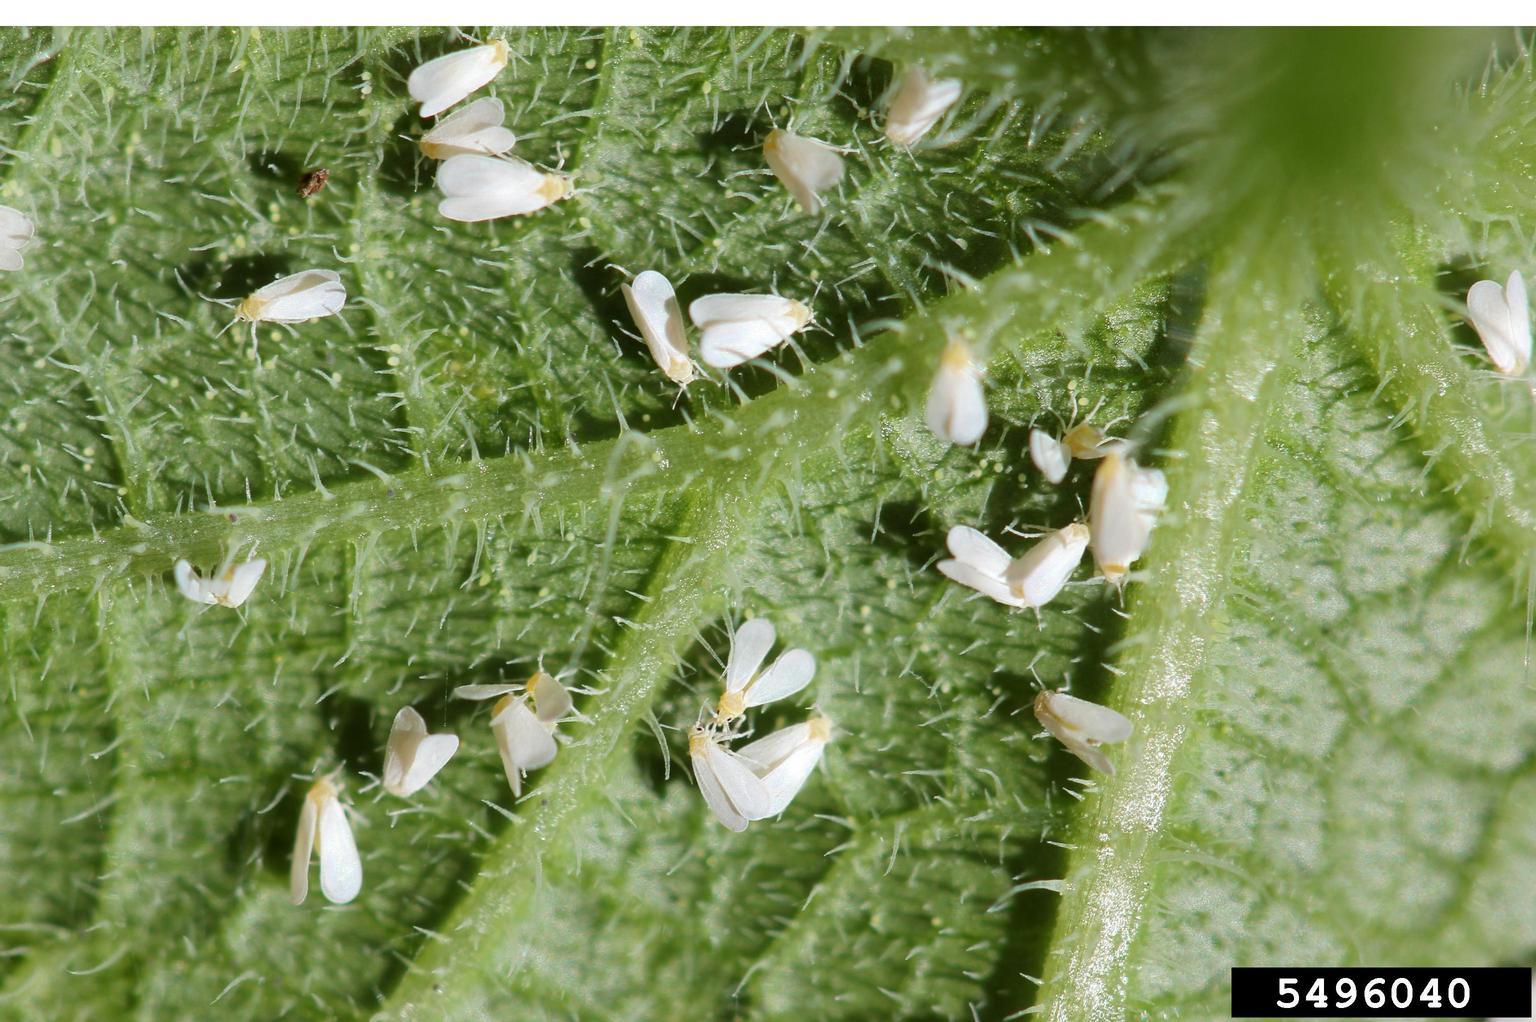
x,y
1245,251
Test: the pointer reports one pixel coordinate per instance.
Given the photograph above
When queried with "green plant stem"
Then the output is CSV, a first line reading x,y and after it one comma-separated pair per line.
x,y
1246,331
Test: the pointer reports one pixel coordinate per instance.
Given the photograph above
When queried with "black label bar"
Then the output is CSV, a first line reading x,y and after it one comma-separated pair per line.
x,y
1381,993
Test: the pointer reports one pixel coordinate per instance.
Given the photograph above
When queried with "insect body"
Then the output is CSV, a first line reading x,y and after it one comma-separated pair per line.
x,y
323,827
473,129
413,757
737,328
487,188
1030,581
957,405
745,685
231,586
920,101
1502,318
439,84
1053,457
1122,511
805,166
313,181
1082,726
523,722
296,298
653,304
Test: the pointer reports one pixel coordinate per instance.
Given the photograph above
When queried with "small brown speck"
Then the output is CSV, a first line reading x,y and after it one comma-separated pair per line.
x,y
313,181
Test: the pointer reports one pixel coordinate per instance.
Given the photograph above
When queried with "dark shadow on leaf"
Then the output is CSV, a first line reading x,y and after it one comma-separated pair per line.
x,y
1454,280
403,170
235,279
263,842
1031,924
353,729
599,282
1181,319
862,86
277,167
734,133
905,528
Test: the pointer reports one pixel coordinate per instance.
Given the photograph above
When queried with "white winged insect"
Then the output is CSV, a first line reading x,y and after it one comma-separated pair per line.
x,y
296,298
786,759
479,188
16,229
413,756
1082,726
474,129
523,721
1502,318
440,83
729,783
1122,512
1029,581
957,404
653,304
323,827
920,101
1053,457
230,586
737,328
747,686
804,166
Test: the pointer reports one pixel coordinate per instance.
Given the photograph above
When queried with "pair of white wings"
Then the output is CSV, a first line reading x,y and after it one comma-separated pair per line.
x,y
750,644
735,328
760,780
323,824
440,83
477,128
479,188
16,230
306,295
525,727
1502,317
413,757
957,405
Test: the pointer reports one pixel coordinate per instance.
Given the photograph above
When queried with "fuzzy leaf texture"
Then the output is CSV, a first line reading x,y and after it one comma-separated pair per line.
x,y
1244,250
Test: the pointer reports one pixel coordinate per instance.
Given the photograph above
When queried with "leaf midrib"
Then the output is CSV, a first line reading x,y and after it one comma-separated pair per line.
x,y
1236,354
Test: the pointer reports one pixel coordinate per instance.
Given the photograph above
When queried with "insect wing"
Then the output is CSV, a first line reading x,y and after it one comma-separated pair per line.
x,y
790,673
742,787
987,585
714,794
528,741
750,644
1489,310
405,735
769,751
1051,456
976,549
551,700
786,779
303,849
341,871
439,84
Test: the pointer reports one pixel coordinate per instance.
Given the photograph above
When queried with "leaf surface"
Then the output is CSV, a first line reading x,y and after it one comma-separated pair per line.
x,y
475,469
